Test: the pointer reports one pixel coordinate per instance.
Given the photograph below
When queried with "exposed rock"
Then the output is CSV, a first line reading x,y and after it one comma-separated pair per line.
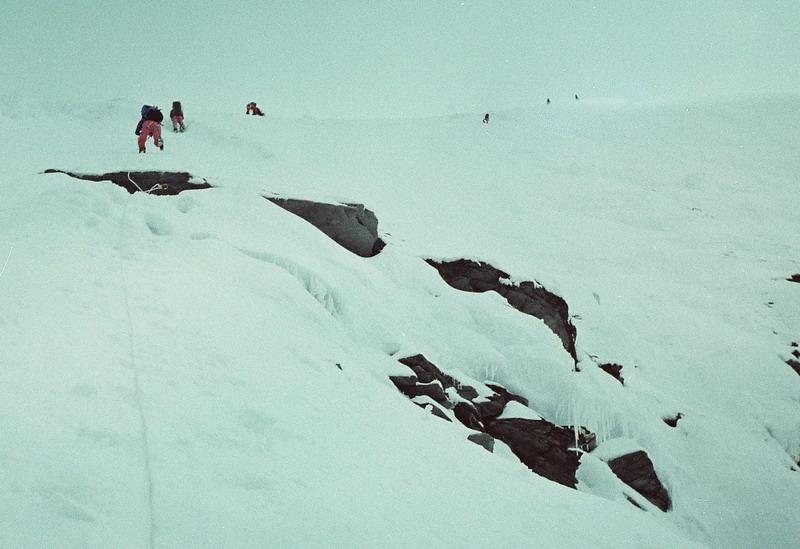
x,y
471,411
534,300
527,297
673,421
545,448
403,383
542,446
432,389
794,362
490,408
794,278
506,394
614,370
467,414
636,470
469,276
482,439
352,226
427,371
408,386
161,183
466,391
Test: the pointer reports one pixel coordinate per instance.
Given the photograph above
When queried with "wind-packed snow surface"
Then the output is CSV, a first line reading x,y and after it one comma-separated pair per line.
x,y
209,370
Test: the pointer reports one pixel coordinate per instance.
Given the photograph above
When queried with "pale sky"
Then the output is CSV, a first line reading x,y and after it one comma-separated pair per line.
x,y
397,58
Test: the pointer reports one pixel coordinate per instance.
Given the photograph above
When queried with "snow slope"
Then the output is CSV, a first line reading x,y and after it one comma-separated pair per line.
x,y
209,370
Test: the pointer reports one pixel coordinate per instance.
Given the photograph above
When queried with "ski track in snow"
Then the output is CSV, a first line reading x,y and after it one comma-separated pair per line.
x,y
134,368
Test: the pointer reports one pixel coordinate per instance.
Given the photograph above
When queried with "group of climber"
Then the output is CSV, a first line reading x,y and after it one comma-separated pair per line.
x,y
150,124
486,116
576,98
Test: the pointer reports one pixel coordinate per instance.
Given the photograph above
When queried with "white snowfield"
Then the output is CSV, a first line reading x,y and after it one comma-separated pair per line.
x,y
209,370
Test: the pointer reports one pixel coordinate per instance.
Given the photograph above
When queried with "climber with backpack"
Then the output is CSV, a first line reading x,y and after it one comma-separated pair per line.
x,y
252,108
150,124
176,115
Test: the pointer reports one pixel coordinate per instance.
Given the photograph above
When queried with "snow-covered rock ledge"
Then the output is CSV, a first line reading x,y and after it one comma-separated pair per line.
x,y
528,297
160,183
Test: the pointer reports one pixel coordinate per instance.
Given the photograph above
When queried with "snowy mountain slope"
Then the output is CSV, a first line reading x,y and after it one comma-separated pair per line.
x,y
170,363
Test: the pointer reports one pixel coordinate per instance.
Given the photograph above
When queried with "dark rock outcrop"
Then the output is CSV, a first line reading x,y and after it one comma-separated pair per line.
x,y
545,448
411,388
636,470
794,278
794,360
507,395
528,297
467,407
491,407
404,383
542,446
467,414
426,371
614,370
673,421
352,226
469,276
158,183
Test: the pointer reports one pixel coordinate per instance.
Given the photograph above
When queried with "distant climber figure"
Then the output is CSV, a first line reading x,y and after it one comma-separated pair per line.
x,y
576,97
252,108
150,124
548,100
176,115
486,118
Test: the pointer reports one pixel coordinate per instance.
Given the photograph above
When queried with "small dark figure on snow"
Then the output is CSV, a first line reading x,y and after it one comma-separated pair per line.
x,y
576,97
150,124
176,115
486,118
548,100
252,108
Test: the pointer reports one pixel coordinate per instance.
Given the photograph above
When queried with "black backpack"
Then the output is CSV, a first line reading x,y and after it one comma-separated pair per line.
x,y
154,114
